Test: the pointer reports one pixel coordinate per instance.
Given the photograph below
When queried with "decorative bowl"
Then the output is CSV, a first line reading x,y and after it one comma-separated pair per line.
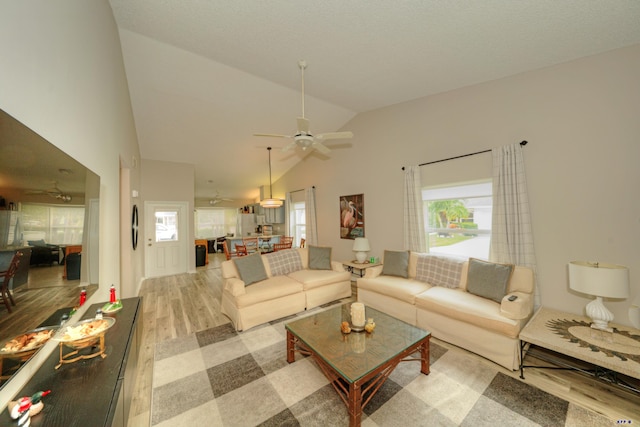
x,y
25,351
85,333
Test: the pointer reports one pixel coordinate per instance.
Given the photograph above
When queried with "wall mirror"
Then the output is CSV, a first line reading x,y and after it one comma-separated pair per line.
x,y
48,200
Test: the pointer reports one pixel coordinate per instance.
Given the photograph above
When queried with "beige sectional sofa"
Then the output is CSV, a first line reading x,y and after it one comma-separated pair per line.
x,y
435,296
292,282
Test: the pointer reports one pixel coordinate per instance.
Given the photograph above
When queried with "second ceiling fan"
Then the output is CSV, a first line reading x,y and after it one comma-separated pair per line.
x,y
303,137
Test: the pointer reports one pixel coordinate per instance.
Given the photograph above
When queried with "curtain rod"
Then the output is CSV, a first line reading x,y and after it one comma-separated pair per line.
x,y
302,189
523,143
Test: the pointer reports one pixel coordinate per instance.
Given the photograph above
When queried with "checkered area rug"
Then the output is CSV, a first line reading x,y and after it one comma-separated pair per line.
x,y
219,377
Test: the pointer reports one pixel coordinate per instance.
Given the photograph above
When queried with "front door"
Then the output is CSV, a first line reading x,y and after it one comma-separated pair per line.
x,y
165,238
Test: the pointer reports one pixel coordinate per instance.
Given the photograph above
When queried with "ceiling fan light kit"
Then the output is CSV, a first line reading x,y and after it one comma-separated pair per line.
x,y
270,202
303,138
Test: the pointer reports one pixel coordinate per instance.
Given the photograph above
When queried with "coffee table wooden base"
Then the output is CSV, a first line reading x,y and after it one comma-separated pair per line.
x,y
357,394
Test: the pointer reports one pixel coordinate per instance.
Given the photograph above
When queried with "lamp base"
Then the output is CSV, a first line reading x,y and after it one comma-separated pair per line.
x,y
361,257
599,314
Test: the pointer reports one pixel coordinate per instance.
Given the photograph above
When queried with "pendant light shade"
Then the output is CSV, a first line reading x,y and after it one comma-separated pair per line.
x,y
270,202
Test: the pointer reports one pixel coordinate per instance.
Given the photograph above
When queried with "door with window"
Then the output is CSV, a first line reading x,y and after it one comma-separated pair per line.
x,y
166,238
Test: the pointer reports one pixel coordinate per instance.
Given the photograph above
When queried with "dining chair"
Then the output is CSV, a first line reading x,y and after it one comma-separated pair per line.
x,y
241,250
225,249
251,243
286,239
280,246
6,276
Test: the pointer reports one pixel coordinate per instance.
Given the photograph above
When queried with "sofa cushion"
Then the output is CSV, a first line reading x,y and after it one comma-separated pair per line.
x,y
439,270
267,290
319,258
284,262
316,278
460,305
396,263
488,279
402,289
250,268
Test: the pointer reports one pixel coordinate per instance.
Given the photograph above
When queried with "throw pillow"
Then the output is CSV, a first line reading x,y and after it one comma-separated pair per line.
x,y
396,263
284,262
439,270
319,258
251,268
488,279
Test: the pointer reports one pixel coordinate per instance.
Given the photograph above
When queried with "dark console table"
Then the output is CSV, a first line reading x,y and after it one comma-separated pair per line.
x,y
91,392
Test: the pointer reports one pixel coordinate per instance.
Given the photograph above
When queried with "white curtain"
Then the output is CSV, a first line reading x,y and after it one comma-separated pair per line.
x,y
310,216
511,234
414,232
288,211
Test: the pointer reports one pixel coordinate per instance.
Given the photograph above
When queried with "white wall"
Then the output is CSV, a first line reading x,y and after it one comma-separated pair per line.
x,y
170,182
581,121
62,75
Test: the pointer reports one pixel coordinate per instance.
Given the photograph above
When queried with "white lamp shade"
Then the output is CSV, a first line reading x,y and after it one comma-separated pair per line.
x,y
361,244
599,279
271,203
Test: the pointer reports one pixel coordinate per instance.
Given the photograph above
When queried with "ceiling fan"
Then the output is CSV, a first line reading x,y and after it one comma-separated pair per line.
x,y
303,137
217,199
54,192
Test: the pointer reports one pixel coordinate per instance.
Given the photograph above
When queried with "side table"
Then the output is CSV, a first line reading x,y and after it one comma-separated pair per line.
x,y
354,265
608,354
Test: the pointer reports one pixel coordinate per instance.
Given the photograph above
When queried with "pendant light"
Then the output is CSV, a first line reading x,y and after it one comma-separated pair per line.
x,y
270,202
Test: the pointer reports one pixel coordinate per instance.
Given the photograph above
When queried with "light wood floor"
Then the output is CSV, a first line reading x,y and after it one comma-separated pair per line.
x,y
180,305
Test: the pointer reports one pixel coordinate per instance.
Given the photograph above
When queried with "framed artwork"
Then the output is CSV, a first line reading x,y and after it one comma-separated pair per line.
x,y
352,216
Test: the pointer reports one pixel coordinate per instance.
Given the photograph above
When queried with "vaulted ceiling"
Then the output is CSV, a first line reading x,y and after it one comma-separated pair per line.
x,y
204,76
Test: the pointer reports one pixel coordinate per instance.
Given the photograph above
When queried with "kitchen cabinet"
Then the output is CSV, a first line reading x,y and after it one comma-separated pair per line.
x,y
274,215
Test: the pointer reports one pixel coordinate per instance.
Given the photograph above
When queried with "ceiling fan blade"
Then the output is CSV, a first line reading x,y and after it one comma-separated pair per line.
x,y
321,148
273,135
335,135
303,125
290,146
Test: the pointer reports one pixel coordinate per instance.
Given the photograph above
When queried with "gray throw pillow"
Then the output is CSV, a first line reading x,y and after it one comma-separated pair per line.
x,y
396,263
251,268
319,258
488,279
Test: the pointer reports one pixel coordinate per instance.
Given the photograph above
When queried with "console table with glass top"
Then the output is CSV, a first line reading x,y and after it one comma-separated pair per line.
x,y
357,364
609,356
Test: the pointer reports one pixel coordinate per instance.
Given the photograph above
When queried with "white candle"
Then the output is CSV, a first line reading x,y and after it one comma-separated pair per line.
x,y
357,314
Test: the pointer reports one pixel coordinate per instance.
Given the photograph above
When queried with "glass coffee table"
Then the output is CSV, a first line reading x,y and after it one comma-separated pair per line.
x,y
357,364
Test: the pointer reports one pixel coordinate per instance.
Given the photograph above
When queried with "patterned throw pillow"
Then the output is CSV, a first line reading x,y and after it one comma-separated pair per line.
x,y
284,262
439,270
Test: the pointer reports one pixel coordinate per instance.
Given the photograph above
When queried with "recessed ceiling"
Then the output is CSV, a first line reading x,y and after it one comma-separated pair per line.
x,y
205,76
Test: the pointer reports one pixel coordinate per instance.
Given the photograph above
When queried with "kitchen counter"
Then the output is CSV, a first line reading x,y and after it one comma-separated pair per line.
x,y
263,240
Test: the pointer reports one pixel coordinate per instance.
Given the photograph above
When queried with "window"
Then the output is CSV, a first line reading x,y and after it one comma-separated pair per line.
x,y
215,222
58,225
458,219
298,222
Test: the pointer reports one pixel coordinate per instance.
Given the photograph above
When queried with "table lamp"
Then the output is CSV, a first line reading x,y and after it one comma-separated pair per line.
x,y
361,247
603,281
